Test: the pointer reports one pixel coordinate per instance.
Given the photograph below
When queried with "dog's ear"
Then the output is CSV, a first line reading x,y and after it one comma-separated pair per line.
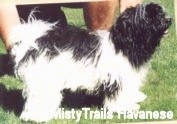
x,y
124,22
124,30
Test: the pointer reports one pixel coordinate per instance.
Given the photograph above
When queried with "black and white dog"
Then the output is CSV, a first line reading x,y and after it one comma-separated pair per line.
x,y
49,58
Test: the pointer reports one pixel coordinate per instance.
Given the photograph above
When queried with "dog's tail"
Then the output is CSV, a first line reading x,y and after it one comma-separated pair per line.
x,y
23,36
28,32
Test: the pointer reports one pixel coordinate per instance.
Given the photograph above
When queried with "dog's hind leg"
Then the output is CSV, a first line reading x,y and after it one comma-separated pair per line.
x,y
41,104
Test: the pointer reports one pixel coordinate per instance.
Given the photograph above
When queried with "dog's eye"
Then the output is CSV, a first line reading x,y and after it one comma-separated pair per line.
x,y
162,15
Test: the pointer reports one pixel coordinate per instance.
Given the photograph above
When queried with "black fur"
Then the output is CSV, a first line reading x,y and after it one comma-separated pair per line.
x,y
138,31
111,91
31,53
81,42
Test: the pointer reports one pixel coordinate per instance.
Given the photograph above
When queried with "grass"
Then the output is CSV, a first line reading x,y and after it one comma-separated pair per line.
x,y
160,86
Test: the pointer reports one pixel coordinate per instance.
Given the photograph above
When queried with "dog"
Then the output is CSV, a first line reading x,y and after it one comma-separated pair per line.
x,y
49,59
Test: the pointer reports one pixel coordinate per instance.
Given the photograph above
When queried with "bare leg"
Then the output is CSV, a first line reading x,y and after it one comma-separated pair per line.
x,y
100,15
9,18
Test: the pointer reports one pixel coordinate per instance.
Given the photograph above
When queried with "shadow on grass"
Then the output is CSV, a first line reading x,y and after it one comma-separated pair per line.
x,y
11,100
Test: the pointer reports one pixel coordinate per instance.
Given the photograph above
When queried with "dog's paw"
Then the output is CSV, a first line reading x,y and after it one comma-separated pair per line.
x,y
35,116
125,102
123,107
138,97
141,97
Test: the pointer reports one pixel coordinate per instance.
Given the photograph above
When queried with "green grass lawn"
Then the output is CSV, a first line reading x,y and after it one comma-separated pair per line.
x,y
160,86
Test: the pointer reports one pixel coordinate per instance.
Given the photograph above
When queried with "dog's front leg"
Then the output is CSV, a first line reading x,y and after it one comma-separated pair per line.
x,y
122,97
41,103
124,101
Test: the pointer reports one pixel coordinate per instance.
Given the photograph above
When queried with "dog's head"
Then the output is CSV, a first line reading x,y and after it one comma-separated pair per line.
x,y
138,30
153,18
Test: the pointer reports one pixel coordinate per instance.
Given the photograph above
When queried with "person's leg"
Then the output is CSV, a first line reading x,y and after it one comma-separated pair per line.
x,y
9,19
124,4
100,15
